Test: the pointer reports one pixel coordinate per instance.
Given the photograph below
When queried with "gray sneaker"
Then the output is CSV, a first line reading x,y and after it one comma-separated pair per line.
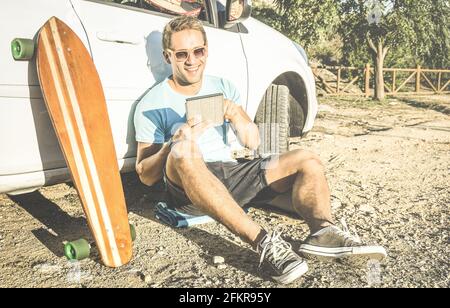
x,y
334,243
284,264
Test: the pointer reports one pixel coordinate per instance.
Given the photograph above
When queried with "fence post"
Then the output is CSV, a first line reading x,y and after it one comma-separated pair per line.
x,y
338,87
367,80
418,77
394,80
439,82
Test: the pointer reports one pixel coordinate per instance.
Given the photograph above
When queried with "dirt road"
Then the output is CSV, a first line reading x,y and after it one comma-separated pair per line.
x,y
388,169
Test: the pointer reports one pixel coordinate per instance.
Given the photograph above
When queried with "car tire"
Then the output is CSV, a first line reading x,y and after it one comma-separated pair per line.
x,y
273,121
297,117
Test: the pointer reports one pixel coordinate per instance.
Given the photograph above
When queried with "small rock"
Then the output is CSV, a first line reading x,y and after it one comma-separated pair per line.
x,y
336,203
366,208
217,260
221,266
147,279
52,232
44,268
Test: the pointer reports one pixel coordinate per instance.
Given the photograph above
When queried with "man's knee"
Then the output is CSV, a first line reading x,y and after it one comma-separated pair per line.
x,y
306,160
184,154
183,160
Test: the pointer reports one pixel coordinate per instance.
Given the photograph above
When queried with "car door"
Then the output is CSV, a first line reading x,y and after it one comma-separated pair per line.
x,y
126,44
227,58
28,144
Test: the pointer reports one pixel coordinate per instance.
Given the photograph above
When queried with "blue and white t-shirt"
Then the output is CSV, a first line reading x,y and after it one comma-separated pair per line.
x,y
160,112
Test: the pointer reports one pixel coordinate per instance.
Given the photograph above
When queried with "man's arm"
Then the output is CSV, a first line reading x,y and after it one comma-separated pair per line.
x,y
247,131
150,161
151,158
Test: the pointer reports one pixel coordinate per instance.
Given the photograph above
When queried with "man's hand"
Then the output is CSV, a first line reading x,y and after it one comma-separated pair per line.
x,y
192,130
185,138
231,110
247,131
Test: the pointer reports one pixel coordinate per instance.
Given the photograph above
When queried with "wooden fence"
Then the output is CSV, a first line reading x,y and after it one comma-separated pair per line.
x,y
397,81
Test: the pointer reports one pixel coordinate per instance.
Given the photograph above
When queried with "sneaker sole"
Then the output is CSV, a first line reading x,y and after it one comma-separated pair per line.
x,y
293,275
353,255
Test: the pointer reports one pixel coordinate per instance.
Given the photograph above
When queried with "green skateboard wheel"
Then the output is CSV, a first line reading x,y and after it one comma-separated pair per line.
x,y
133,232
77,250
22,49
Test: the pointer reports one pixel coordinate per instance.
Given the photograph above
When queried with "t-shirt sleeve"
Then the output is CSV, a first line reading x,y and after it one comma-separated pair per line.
x,y
148,125
231,92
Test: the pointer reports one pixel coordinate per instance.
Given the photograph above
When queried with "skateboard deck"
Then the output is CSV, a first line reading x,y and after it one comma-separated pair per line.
x,y
76,103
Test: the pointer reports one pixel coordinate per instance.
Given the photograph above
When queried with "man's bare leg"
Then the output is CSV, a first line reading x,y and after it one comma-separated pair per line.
x,y
303,172
213,198
210,195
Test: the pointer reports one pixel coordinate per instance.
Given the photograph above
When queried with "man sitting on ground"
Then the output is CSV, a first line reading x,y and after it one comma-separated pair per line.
x,y
203,179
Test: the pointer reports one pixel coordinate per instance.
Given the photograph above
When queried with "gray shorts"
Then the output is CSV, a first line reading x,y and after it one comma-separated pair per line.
x,y
246,181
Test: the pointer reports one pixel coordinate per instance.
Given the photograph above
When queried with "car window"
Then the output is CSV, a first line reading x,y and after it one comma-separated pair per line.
x,y
194,8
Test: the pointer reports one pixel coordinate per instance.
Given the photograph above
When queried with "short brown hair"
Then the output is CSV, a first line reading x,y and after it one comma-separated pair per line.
x,y
181,23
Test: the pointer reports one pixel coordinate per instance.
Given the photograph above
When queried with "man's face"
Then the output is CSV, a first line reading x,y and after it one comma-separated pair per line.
x,y
187,56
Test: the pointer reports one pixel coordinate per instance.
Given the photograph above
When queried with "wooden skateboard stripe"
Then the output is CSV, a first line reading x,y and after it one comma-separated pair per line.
x,y
94,194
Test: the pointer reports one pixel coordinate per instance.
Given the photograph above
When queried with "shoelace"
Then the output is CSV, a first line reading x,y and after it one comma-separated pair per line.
x,y
278,251
345,232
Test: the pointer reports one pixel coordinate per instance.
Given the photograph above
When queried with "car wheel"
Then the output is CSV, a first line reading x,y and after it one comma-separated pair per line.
x,y
273,121
297,117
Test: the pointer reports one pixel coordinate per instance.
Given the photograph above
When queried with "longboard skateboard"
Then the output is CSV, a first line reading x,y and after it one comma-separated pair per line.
x,y
76,103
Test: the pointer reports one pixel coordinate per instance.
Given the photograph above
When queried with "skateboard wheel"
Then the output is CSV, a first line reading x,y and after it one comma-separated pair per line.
x,y
22,49
133,232
77,250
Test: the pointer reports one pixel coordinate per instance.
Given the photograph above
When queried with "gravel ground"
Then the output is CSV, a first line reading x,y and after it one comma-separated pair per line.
x,y
388,169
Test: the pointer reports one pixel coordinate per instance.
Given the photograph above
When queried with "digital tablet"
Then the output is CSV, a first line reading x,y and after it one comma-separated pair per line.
x,y
209,107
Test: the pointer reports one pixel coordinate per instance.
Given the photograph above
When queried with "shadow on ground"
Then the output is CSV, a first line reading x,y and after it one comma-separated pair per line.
x,y
59,226
440,107
141,200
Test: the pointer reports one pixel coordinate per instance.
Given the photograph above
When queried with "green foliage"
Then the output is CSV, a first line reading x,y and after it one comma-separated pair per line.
x,y
311,23
269,16
416,31
307,20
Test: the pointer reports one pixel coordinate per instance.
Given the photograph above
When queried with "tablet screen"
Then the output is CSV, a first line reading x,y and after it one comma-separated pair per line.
x,y
209,107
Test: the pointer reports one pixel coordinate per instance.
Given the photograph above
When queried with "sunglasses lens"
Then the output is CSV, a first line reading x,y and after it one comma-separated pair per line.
x,y
199,52
181,55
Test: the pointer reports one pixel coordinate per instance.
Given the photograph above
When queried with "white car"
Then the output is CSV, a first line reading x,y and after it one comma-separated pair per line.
x,y
124,37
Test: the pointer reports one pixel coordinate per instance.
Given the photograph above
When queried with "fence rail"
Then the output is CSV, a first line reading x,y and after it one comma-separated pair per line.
x,y
398,81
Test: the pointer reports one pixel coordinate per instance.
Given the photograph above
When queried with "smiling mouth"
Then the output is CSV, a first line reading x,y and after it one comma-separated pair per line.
x,y
192,69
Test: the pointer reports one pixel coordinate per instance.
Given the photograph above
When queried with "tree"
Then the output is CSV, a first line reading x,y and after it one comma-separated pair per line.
x,y
415,29
306,21
401,33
